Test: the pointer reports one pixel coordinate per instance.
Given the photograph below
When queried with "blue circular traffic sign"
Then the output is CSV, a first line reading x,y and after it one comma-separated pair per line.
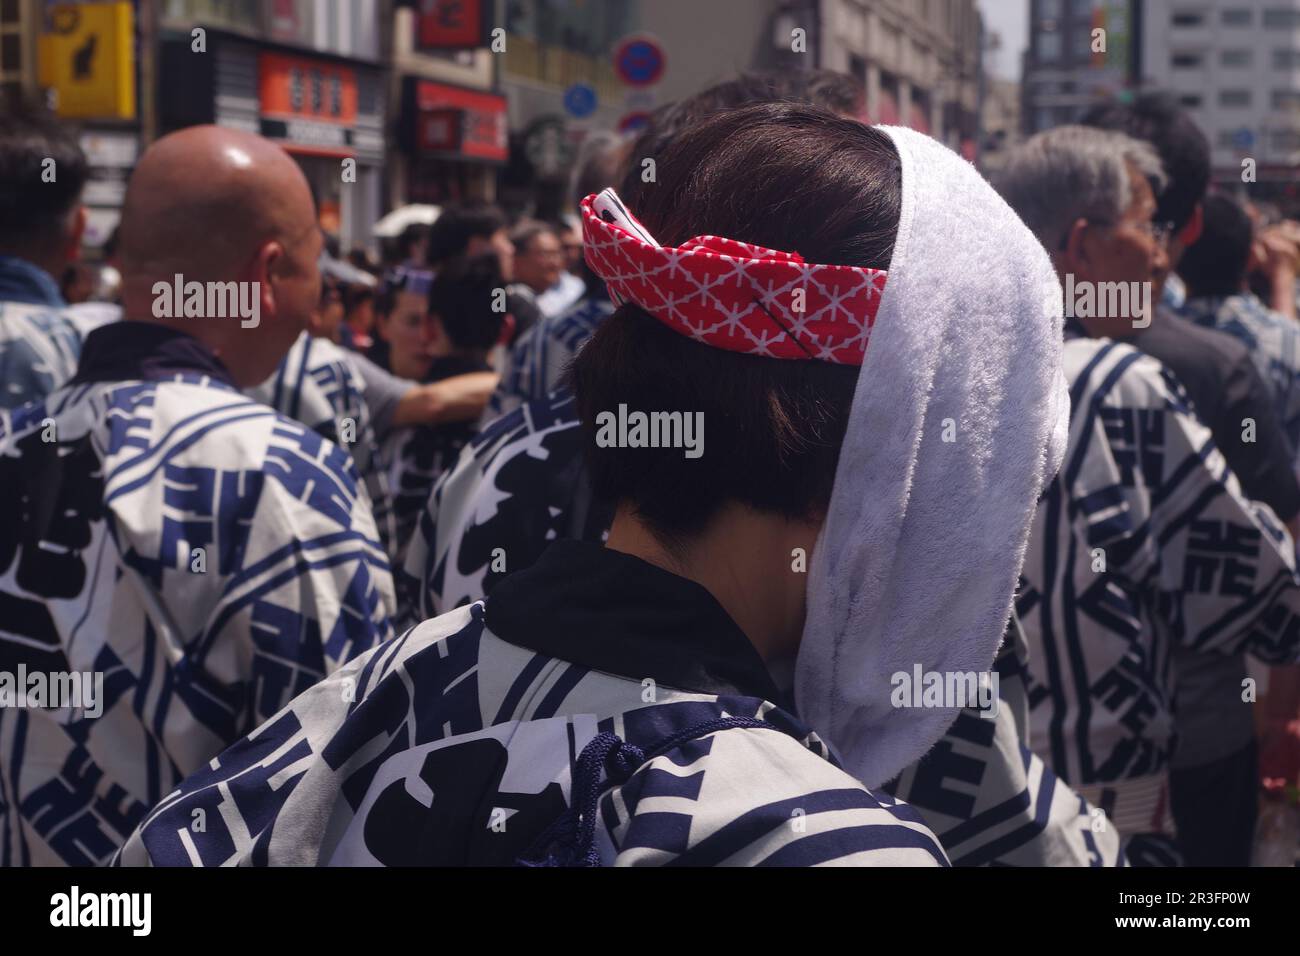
x,y
639,61
580,100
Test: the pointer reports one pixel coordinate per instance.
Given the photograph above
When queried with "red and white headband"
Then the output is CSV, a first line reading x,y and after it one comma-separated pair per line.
x,y
733,295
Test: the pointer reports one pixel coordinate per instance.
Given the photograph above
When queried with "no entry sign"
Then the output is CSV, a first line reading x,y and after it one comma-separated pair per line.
x,y
639,61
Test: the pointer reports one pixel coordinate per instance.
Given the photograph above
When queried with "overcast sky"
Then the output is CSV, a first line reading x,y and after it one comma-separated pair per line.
x,y
1009,19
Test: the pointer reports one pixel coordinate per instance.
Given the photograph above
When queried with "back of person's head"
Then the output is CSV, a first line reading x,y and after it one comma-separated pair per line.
x,y
1074,172
467,296
600,161
42,174
835,92
1215,265
525,231
1158,119
450,235
231,214
356,295
411,243
784,176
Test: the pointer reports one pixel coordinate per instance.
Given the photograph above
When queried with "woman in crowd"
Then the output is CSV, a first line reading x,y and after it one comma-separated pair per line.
x,y
865,343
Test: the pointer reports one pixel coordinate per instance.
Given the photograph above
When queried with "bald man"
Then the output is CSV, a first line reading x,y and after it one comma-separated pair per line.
x,y
177,561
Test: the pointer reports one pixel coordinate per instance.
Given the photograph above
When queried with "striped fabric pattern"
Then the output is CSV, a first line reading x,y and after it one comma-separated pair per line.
x,y
449,746
1144,540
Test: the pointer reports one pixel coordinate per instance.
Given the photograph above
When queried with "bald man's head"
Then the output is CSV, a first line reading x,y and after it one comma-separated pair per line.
x,y
217,205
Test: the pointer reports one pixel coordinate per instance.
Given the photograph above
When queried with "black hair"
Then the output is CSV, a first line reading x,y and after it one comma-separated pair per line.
x,y
450,235
1184,151
468,297
784,176
1215,264
526,230
355,295
836,92
34,211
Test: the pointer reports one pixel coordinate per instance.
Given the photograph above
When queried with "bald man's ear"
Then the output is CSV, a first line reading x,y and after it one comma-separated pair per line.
x,y
267,265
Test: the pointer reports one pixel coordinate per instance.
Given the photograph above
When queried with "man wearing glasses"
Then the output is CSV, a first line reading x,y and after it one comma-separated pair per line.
x,y
1144,543
1214,772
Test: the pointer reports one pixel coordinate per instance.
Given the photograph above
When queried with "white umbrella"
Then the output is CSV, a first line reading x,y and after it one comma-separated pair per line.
x,y
395,223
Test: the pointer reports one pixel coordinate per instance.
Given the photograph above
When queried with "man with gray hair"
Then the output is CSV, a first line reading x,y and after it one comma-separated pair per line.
x,y
1145,540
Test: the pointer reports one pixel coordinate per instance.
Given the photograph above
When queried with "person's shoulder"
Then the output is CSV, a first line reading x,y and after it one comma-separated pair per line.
x,y
1116,374
193,419
763,796
19,318
1208,352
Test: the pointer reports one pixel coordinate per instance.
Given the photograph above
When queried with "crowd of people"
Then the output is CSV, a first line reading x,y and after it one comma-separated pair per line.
x,y
363,579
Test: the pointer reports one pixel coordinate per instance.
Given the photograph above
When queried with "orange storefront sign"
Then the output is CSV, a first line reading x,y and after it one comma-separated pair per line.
x,y
308,106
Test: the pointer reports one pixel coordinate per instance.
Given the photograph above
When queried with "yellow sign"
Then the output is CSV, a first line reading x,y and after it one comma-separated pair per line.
x,y
87,60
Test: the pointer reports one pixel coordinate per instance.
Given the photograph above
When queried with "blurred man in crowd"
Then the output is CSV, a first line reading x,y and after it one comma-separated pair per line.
x,y
1215,269
1145,539
198,558
536,363
1214,777
464,324
539,267
474,228
42,174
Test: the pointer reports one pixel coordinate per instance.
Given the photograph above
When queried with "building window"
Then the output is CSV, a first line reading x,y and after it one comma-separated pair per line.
x,y
1236,17
1234,98
1286,99
1285,139
1049,9
1286,59
1049,47
1280,18
1191,101
1235,58
1187,61
1082,45
1188,18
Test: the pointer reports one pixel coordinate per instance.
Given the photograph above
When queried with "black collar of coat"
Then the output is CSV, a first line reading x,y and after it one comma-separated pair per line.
x,y
612,612
145,352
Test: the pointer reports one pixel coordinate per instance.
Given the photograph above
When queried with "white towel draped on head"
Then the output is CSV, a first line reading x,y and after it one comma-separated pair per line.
x,y
924,537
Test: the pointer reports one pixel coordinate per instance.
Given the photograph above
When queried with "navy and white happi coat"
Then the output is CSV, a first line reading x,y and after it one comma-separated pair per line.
x,y
1274,344
1143,540
467,739
521,485
318,384
538,362
207,557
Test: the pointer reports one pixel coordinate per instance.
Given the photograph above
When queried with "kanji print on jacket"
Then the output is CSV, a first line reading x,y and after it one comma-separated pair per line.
x,y
204,557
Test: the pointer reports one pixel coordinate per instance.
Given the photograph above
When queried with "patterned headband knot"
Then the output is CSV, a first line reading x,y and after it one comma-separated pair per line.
x,y
733,295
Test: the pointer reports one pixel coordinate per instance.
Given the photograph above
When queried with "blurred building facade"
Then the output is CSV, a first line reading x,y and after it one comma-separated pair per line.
x,y
1069,65
385,102
1000,122
1235,65
920,61
450,129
